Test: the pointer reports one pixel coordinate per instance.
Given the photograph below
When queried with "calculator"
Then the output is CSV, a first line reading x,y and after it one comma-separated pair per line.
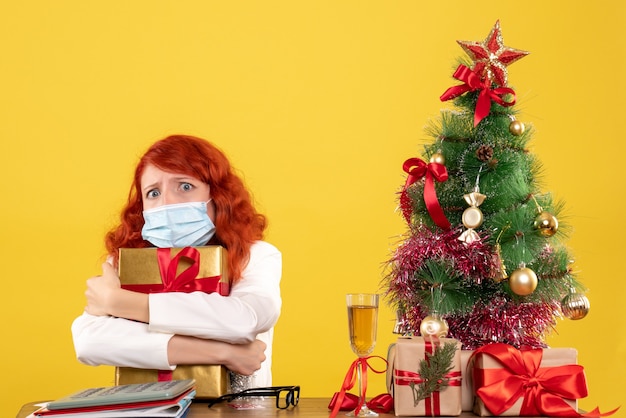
x,y
112,395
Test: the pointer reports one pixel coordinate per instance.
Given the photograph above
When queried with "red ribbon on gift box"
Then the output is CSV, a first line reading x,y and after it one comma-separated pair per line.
x,y
416,169
187,281
543,389
405,378
487,94
432,404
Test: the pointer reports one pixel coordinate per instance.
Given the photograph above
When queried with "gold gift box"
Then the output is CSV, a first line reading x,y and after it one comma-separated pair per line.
x,y
211,380
139,267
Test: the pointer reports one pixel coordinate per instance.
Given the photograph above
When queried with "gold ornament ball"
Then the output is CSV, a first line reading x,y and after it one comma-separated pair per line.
x,y
575,306
516,128
438,158
546,223
434,326
523,281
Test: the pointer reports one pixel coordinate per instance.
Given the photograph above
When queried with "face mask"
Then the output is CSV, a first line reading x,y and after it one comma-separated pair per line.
x,y
178,225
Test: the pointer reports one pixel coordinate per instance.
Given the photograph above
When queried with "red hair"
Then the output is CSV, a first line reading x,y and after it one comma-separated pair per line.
x,y
237,222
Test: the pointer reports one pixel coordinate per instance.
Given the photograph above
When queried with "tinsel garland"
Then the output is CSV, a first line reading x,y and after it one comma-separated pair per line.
x,y
502,320
475,261
497,316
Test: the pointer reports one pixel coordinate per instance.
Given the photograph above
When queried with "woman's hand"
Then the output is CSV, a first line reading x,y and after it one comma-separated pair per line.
x,y
240,358
100,290
246,358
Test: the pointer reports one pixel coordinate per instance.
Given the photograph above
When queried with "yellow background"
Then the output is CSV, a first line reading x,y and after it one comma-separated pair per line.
x,y
318,103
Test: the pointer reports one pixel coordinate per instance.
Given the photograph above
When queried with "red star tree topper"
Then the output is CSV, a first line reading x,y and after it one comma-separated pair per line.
x,y
491,57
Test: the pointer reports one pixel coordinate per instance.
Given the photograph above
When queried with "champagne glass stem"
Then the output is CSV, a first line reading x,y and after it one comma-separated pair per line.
x,y
359,377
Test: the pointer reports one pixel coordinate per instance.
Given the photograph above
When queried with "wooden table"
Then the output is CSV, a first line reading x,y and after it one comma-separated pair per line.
x,y
308,407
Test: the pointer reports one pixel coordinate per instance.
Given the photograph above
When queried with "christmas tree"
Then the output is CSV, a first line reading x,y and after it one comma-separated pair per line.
x,y
484,258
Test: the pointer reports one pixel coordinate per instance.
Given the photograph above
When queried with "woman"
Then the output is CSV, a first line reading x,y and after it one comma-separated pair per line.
x,y
186,194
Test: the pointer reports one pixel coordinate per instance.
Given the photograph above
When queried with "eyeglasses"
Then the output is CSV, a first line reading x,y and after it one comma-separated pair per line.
x,y
286,396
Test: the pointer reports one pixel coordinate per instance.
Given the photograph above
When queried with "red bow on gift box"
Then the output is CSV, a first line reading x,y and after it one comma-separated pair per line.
x,y
543,389
187,281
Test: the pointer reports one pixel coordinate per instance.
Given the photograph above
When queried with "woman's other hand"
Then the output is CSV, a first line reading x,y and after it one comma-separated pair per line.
x,y
105,296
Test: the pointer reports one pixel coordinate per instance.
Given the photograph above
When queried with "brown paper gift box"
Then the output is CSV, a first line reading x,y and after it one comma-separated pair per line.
x,y
139,270
552,357
404,358
467,391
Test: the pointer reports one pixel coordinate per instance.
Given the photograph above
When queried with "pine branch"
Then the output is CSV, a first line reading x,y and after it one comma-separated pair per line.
x,y
432,371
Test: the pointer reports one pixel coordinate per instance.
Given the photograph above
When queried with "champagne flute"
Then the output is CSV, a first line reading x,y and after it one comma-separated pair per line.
x,y
362,322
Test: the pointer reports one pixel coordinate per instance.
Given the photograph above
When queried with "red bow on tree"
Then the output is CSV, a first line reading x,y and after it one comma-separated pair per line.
x,y
473,82
416,169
